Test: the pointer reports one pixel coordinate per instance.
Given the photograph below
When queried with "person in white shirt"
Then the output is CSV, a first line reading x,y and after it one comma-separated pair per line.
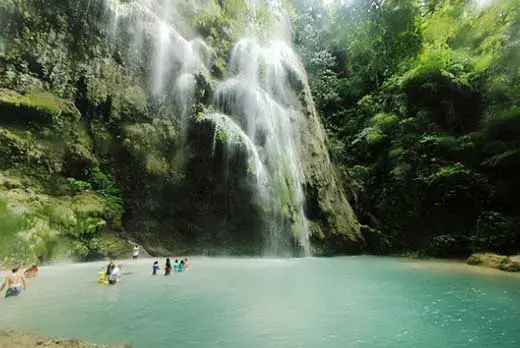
x,y
135,253
113,278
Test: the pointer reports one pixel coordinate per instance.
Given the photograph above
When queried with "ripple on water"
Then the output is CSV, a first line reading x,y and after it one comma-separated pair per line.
x,y
337,302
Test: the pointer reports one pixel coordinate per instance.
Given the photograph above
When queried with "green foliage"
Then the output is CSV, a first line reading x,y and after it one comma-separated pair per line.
x,y
426,99
78,186
104,184
9,226
84,235
449,173
494,231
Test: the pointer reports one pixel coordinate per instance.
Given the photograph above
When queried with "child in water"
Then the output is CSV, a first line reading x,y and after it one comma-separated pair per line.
x,y
31,271
168,267
155,267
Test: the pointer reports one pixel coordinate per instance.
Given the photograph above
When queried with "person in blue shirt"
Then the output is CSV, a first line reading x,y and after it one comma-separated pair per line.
x,y
176,266
181,266
155,267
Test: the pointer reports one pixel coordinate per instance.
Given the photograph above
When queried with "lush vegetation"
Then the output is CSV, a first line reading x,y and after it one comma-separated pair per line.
x,y
421,101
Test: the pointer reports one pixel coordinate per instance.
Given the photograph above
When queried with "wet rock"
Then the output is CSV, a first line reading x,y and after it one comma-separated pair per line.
x,y
13,339
501,262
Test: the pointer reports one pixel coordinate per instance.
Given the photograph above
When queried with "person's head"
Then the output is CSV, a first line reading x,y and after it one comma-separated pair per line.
x,y
167,260
185,259
156,262
15,269
176,261
182,262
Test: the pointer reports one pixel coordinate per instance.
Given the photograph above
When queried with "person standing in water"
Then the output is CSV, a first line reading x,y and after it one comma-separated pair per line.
x,y
15,283
186,264
110,268
135,252
176,266
181,266
113,278
155,267
168,267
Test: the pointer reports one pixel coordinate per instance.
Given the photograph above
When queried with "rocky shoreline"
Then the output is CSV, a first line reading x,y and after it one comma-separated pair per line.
x,y
14,339
495,261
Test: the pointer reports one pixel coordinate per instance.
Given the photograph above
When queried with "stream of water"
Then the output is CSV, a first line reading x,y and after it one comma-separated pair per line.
x,y
231,303
257,105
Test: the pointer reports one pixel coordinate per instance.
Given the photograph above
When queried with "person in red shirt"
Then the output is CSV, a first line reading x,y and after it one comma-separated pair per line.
x,y
168,267
31,271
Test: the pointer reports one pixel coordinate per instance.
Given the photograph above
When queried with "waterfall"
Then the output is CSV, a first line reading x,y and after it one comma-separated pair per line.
x,y
257,109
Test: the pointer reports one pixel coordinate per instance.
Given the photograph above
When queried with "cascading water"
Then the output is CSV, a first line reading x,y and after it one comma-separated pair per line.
x,y
258,98
257,108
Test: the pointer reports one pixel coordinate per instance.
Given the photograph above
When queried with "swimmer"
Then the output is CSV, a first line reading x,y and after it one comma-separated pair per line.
x,y
168,267
31,271
181,266
155,267
176,265
110,268
15,283
114,277
186,264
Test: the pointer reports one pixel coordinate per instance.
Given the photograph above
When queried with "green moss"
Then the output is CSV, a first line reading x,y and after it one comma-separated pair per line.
x,y
19,149
44,223
113,247
78,186
78,159
219,69
38,108
9,226
35,110
221,136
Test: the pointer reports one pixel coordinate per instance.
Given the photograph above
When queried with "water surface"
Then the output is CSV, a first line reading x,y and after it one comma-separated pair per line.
x,y
235,303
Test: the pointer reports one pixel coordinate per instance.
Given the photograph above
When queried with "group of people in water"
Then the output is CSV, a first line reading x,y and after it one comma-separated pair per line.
x,y
177,266
111,274
15,282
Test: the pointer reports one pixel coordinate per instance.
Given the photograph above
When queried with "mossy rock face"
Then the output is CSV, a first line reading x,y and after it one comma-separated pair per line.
x,y
113,247
19,149
326,203
36,109
78,159
38,227
176,194
474,260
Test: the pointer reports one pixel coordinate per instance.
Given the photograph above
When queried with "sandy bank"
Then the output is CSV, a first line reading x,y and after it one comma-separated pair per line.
x,y
450,266
13,339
